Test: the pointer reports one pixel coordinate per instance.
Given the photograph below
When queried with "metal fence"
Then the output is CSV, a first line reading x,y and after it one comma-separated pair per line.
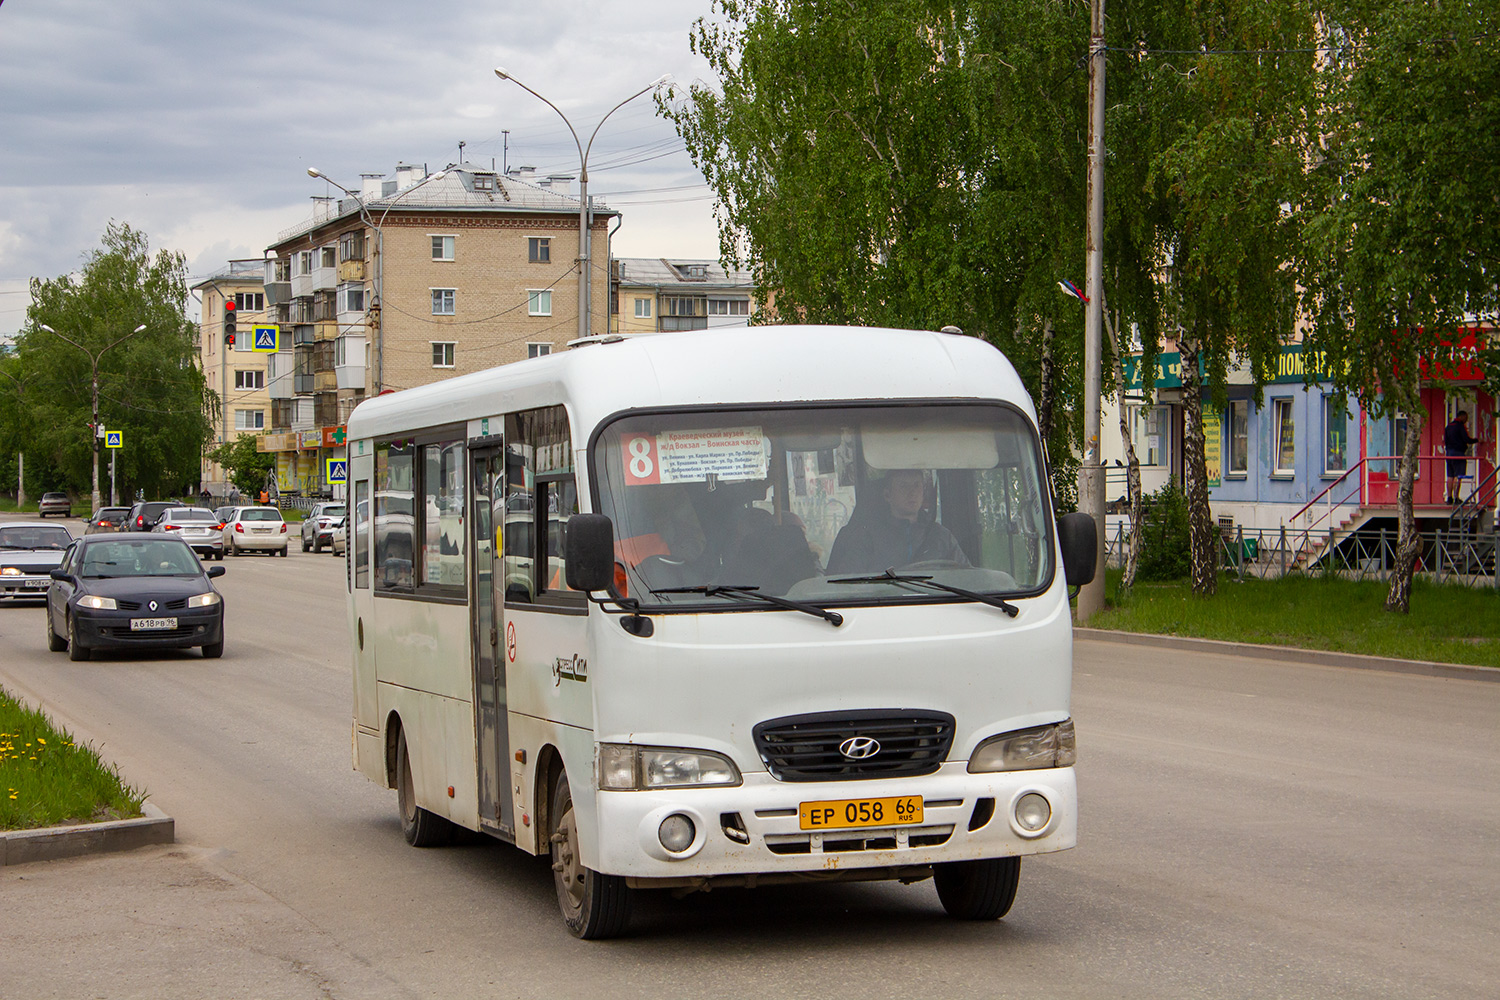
x,y
1459,556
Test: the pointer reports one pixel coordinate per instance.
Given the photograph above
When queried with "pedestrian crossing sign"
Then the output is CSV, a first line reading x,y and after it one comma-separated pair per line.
x,y
338,471
265,339
114,439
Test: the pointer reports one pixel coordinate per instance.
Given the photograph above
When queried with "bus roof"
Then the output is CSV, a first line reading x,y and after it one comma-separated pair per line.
x,y
742,365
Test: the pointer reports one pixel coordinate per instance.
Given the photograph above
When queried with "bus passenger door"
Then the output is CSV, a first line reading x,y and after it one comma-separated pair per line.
x,y
487,482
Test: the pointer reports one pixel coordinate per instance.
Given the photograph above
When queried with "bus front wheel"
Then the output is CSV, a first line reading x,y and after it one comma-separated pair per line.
x,y
420,827
977,890
593,906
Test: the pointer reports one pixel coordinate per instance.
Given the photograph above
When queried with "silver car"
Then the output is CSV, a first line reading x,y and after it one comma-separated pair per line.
x,y
29,552
195,525
317,529
255,529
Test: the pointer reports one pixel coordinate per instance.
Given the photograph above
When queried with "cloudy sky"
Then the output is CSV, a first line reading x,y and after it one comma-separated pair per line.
x,y
196,120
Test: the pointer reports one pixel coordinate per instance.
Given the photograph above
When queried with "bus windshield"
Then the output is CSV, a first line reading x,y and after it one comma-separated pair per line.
x,y
839,504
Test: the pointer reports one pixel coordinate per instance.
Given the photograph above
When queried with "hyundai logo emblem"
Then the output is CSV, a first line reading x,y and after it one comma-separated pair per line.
x,y
153,605
859,747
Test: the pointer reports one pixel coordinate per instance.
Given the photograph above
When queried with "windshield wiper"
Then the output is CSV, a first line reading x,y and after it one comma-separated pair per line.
x,y
754,594
891,576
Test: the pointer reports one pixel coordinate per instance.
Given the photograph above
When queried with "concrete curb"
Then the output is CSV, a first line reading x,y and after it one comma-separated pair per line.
x,y
19,847
1291,654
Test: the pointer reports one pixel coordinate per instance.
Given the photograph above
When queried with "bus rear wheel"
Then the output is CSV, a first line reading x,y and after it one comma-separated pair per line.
x,y
420,827
594,906
977,890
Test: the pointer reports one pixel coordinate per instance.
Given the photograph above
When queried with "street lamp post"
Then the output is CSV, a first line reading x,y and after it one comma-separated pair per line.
x,y
364,214
584,276
94,357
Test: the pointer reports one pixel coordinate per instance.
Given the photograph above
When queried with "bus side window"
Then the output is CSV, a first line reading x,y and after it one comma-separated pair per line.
x,y
357,534
540,495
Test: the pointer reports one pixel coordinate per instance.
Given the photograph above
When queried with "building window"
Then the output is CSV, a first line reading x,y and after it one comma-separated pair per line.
x,y
642,308
729,307
249,380
253,302
442,301
352,246
484,182
682,305
539,303
1239,437
305,262
249,420
330,256
352,298
538,350
1335,434
1154,434
539,250
442,354
1284,426
442,248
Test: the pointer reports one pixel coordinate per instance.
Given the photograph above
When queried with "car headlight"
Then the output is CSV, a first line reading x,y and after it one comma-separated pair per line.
x,y
203,600
11,571
1027,749
626,767
97,603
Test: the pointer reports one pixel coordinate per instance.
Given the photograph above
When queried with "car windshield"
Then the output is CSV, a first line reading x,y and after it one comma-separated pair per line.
x,y
333,511
137,558
26,537
112,514
818,505
260,514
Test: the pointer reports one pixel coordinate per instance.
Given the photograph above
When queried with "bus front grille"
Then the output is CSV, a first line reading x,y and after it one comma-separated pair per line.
x,y
847,746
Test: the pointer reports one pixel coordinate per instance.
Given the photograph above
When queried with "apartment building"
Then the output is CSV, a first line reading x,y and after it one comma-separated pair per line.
x,y
235,372
653,295
422,277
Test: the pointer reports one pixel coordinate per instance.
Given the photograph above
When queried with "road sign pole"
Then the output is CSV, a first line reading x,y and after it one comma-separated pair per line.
x,y
112,495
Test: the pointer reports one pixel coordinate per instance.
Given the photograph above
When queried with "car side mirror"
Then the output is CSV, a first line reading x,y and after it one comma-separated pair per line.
x,y
60,574
590,552
1079,537
214,571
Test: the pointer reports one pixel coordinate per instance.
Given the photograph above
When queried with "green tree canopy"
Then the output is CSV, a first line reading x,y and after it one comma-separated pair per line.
x,y
150,387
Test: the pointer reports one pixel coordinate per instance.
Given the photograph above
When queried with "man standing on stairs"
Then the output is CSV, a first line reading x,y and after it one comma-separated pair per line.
x,y
1456,442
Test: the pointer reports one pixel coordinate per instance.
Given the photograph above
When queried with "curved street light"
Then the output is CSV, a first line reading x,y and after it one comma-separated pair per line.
x,y
584,276
364,214
93,357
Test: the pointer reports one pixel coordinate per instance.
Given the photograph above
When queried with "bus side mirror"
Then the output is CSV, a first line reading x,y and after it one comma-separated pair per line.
x,y
590,552
1080,545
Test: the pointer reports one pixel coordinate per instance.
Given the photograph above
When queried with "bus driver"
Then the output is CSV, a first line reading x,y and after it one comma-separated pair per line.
x,y
899,535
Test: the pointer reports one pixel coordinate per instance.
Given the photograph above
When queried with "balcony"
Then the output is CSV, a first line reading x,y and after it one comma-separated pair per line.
x,y
326,381
351,270
304,333
325,331
324,278
303,385
279,375
326,409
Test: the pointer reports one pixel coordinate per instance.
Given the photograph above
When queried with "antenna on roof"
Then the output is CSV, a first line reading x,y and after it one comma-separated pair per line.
x,y
461,145
505,150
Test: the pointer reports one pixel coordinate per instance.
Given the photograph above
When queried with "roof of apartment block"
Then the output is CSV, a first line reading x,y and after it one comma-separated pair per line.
x,y
461,188
680,272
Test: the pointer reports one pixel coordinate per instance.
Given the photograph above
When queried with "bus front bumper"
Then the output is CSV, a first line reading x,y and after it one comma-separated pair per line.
x,y
756,828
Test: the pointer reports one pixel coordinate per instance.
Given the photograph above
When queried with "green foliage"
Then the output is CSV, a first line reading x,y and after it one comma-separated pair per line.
x,y
1165,551
246,466
149,384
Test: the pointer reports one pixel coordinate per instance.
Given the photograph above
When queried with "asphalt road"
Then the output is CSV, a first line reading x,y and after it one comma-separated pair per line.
x,y
1249,829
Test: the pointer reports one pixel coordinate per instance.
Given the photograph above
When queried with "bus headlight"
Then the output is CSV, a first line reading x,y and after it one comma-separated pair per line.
x,y
1027,749
626,767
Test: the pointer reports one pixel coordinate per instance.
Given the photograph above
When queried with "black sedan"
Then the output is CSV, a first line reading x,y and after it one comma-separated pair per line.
x,y
129,591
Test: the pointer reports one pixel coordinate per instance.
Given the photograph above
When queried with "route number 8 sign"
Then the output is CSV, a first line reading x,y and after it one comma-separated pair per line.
x,y
728,453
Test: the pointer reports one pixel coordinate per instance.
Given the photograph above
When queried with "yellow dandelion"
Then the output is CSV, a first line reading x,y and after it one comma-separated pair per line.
x,y
41,741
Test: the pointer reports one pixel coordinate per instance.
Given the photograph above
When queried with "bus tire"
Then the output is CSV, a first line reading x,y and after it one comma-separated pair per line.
x,y
594,906
420,827
977,890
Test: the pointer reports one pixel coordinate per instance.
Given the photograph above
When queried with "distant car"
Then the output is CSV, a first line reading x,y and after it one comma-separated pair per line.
x,y
129,591
195,525
54,503
339,541
255,529
143,516
222,514
317,529
29,550
105,520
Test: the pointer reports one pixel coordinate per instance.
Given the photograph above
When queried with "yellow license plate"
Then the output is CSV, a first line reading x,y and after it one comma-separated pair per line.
x,y
841,814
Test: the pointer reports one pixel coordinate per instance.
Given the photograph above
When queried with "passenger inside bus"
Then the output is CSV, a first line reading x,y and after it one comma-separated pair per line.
x,y
899,530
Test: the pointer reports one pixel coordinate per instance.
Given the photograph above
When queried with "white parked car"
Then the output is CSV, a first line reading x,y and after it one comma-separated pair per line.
x,y
255,529
340,537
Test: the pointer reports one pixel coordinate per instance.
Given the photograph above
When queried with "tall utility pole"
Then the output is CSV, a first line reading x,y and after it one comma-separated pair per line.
x,y
584,276
1091,472
93,357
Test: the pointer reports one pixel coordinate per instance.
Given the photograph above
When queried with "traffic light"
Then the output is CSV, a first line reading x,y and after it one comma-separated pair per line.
x,y
229,322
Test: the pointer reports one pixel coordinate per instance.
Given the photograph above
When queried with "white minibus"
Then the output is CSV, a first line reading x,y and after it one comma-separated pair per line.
x,y
721,608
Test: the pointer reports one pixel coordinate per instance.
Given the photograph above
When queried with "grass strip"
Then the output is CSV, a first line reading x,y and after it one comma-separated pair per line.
x,y
1447,624
48,779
